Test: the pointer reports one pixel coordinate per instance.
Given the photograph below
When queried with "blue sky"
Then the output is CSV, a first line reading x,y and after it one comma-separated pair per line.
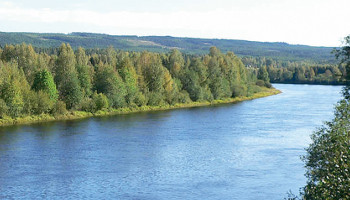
x,y
310,22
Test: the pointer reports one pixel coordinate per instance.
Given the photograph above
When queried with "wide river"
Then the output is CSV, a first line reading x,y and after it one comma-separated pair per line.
x,y
247,150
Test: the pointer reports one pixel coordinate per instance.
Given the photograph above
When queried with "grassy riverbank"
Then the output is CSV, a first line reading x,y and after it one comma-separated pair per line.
x,y
7,121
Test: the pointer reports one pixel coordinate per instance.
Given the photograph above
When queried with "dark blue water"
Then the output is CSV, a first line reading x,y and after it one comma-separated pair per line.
x,y
248,150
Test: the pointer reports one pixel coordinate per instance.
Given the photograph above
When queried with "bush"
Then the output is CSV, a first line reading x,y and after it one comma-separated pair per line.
x,y
252,89
140,99
100,101
260,83
3,108
268,85
88,105
239,90
155,99
44,104
59,108
183,97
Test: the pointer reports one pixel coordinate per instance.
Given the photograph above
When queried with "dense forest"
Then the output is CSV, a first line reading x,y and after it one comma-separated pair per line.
x,y
285,63
34,83
162,44
303,72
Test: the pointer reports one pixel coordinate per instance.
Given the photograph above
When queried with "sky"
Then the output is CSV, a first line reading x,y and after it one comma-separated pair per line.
x,y
308,22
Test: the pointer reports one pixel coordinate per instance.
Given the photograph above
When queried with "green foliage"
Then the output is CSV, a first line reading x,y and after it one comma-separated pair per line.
x,y
38,103
176,63
217,80
13,85
343,54
81,57
108,82
155,99
87,105
153,73
328,158
100,100
71,92
263,75
43,81
239,90
94,104
304,72
260,83
59,108
64,79
3,108
252,89
65,64
140,99
12,95
278,50
128,73
85,79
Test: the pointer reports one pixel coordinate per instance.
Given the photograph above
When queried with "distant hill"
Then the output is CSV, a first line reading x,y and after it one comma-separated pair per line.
x,y
277,50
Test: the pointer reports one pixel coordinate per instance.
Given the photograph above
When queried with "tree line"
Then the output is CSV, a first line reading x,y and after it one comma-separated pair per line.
x,y
275,50
34,82
299,72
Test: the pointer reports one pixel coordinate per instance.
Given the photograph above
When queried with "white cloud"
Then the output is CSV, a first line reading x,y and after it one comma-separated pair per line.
x,y
295,21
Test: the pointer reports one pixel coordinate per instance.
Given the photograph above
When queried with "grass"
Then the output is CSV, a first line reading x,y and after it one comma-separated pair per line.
x,y
8,121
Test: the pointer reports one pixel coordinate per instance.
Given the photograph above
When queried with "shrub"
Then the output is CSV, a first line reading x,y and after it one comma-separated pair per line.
x,y
3,108
140,99
268,85
183,97
88,105
252,89
59,108
100,101
155,99
44,103
239,90
260,83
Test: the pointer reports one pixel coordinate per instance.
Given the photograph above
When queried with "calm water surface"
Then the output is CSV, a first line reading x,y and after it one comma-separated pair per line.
x,y
248,150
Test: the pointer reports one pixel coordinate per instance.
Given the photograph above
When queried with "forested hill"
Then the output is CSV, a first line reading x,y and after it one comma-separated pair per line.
x,y
278,50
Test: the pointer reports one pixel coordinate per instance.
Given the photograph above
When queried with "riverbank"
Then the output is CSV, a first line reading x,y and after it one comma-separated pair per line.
x,y
72,115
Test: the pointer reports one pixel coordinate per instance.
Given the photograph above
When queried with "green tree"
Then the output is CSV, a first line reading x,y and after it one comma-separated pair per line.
x,y
108,82
84,71
27,60
85,79
176,63
44,81
3,108
219,85
128,74
100,100
263,74
66,77
12,87
8,53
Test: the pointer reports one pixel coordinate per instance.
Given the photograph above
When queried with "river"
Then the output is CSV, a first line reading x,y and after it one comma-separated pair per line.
x,y
246,150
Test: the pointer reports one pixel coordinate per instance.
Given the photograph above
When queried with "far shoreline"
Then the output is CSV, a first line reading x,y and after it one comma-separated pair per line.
x,y
75,115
